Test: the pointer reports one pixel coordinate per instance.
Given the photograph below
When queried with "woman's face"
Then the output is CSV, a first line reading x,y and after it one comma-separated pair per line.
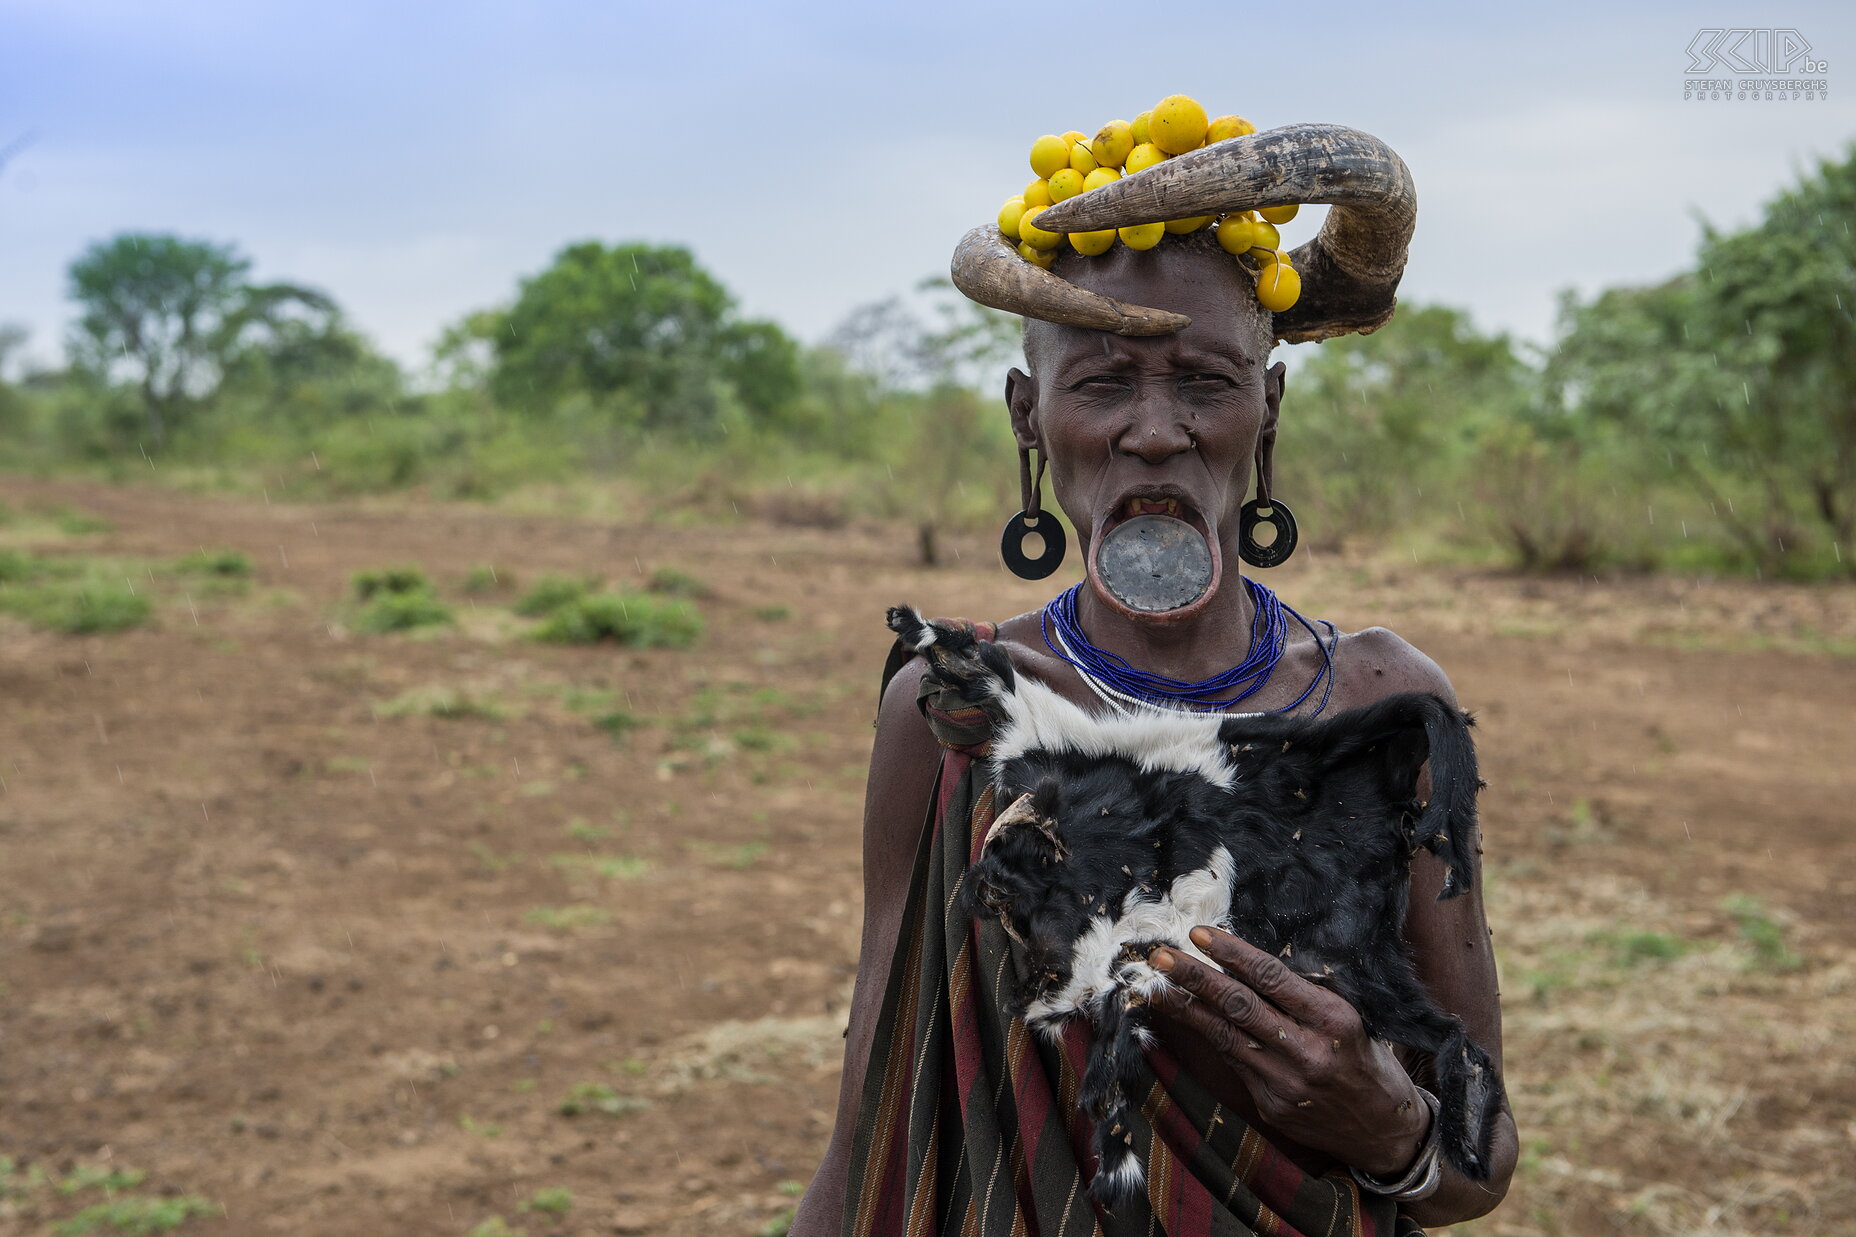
x,y
1164,424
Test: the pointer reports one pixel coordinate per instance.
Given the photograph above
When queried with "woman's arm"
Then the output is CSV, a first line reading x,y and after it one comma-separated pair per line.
x,y
903,762
1301,1050
1450,945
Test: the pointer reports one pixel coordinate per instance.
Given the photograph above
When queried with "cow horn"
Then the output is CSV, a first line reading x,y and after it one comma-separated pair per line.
x,y
1350,271
988,270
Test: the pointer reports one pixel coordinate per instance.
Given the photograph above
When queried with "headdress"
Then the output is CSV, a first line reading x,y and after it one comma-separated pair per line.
x,y
1349,272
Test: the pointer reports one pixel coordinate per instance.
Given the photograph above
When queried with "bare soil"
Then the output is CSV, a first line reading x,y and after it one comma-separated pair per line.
x,y
336,967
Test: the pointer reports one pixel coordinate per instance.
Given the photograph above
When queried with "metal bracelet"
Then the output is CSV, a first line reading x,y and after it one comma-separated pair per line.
x,y
1421,1180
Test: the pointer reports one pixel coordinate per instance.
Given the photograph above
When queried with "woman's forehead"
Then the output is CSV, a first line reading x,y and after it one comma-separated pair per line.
x,y
1196,279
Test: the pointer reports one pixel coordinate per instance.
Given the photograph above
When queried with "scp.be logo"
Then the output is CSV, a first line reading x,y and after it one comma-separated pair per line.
x,y
1752,50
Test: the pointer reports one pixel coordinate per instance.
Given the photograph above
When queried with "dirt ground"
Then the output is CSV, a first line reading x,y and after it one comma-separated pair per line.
x,y
328,928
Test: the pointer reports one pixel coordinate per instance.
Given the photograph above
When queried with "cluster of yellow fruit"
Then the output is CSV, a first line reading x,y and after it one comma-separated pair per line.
x,y
1068,164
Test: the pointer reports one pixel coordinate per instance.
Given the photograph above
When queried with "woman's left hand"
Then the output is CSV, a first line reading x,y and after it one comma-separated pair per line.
x,y
1302,1052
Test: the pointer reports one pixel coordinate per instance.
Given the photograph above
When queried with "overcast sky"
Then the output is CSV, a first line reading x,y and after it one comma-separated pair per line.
x,y
415,160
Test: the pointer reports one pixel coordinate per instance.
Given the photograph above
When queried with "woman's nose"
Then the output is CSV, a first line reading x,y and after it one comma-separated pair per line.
x,y
1155,433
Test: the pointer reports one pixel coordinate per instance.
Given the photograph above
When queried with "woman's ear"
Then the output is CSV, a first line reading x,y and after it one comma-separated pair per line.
x,y
1021,398
1274,380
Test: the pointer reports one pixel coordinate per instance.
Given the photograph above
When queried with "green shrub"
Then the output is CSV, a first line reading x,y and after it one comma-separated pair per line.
x,y
389,612
550,594
636,620
390,580
230,564
77,607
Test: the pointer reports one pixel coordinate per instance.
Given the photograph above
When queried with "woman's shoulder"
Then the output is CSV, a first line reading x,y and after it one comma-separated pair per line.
x,y
1375,662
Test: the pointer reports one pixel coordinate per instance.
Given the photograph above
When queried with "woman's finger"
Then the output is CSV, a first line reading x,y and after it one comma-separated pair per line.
x,y
1274,982
1226,998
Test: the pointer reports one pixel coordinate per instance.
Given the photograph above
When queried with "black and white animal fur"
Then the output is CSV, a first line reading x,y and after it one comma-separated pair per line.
x,y
1124,832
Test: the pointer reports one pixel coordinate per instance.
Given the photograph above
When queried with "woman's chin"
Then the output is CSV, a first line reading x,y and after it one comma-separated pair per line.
x,y
1154,561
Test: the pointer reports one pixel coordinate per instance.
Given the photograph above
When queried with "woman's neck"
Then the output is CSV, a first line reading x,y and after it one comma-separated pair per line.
x,y
1209,643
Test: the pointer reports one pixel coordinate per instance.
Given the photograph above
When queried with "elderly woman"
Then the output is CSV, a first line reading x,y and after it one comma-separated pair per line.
x,y
1148,389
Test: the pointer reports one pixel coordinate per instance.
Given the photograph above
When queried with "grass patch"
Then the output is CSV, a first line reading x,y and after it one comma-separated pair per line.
x,y
551,593
73,607
612,867
635,620
1762,934
781,1224
554,1200
740,858
590,1097
224,564
580,830
484,578
568,918
771,614
495,1226
385,581
392,611
674,583
138,1215
439,700
78,523
1632,949
96,1177
618,723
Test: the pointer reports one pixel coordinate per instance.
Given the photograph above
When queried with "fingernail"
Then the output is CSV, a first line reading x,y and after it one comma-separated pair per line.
x,y
1202,937
1161,959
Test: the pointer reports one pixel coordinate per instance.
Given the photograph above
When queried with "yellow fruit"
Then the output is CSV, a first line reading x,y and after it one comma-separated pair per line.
x,y
1100,177
1074,136
1081,159
1279,214
1049,153
1177,125
1144,156
1092,243
1065,183
1267,235
1139,129
1261,256
1278,287
1179,227
1043,257
1235,234
1142,235
1009,215
1034,236
1112,143
1228,126
1037,193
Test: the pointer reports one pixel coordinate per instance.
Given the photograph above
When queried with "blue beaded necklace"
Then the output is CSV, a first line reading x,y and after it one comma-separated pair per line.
x,y
1269,636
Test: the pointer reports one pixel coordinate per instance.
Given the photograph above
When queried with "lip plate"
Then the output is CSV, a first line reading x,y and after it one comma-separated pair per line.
x,y
1188,512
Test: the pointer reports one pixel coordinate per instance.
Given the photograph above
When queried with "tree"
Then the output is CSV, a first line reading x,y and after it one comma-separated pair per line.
x,y
644,332
956,447
1741,372
1372,423
171,315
